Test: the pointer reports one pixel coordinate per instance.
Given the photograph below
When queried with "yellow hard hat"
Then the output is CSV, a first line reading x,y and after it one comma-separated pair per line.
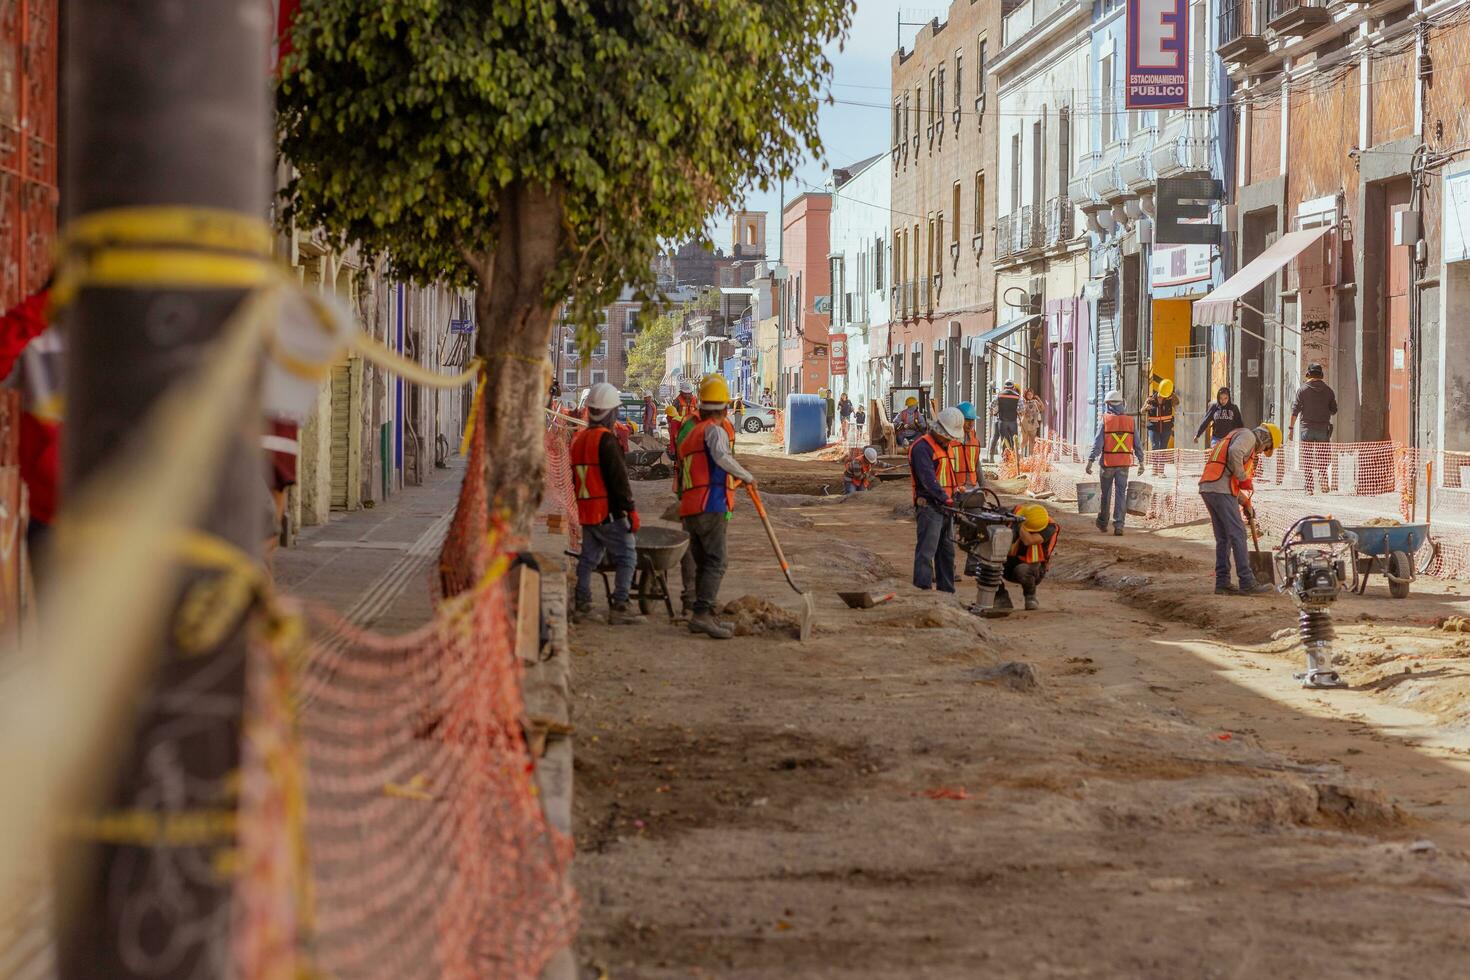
x,y
1034,517
1275,431
1166,388
911,402
714,392
671,412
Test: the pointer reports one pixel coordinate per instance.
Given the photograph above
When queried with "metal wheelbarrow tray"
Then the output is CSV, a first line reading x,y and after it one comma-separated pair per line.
x,y
1389,551
660,550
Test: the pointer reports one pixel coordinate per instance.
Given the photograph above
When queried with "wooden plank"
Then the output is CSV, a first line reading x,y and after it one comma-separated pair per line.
x,y
528,615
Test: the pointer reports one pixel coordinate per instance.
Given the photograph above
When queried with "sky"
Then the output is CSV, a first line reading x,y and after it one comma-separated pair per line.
x,y
860,74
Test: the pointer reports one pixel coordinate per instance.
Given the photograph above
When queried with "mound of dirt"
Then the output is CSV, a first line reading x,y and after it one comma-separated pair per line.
x,y
756,617
1014,674
864,564
936,617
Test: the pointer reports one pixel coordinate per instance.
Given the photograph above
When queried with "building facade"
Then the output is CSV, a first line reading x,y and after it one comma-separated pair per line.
x,y
861,195
943,170
806,295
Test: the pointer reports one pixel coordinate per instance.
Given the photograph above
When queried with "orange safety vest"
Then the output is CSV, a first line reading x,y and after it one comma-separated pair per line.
x,y
1118,440
1217,463
859,472
704,488
943,466
1162,405
1035,554
965,458
587,475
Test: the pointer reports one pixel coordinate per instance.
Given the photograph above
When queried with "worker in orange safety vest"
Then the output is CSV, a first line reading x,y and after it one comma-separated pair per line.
x,y
605,506
1117,443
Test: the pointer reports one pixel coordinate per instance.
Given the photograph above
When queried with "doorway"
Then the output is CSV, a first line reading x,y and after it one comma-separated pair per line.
x,y
1395,307
1257,368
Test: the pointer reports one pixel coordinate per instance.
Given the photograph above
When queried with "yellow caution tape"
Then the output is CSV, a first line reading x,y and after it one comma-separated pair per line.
x,y
473,420
408,370
169,225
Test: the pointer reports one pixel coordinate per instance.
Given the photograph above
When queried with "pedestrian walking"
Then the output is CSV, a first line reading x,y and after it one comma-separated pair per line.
x,y
605,506
1221,418
1118,445
826,394
1225,487
932,476
1005,408
860,419
844,412
650,413
738,407
1033,413
1316,403
1160,409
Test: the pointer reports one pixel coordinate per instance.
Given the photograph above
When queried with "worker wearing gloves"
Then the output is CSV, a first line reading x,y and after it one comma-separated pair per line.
x,y
932,475
858,476
1226,486
708,473
605,506
909,424
1118,445
964,453
684,407
1030,554
1160,409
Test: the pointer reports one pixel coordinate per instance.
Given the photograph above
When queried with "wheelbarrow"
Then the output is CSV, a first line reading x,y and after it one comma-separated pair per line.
x,y
1387,551
659,551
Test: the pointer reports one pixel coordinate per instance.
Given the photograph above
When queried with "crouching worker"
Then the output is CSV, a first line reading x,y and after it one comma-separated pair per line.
x,y
1036,539
708,473
605,506
858,476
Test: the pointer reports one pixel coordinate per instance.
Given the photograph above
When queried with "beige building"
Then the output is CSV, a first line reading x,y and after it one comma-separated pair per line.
x,y
943,152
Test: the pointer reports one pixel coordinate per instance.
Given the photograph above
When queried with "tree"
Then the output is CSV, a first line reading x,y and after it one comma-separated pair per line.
x,y
646,361
541,149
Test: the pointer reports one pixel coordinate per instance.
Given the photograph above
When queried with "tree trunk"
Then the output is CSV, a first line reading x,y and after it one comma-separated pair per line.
x,y
515,320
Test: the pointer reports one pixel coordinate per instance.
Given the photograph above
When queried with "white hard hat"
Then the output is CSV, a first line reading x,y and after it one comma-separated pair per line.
x,y
870,454
686,387
952,422
603,396
1114,397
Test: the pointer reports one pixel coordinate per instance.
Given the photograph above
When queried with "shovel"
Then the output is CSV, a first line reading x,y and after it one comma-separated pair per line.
x,y
809,607
1263,563
863,600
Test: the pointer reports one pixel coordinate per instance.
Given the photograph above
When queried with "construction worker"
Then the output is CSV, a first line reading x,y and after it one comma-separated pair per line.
x,y
1160,409
1118,445
1316,404
1226,486
964,453
1005,408
932,475
708,473
909,424
605,506
858,475
1030,554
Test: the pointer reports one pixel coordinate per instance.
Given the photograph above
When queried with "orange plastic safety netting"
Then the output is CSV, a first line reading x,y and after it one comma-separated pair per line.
x,y
1354,482
412,842
559,501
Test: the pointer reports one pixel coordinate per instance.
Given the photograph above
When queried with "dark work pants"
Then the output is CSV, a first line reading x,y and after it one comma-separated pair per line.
x,y
1316,457
614,539
1027,575
707,543
1114,491
934,550
1229,529
1158,440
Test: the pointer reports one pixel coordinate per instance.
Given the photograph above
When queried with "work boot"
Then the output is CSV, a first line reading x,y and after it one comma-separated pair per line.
x,y
1260,588
1102,526
703,621
580,610
1031,604
620,615
1226,590
1002,599
1118,531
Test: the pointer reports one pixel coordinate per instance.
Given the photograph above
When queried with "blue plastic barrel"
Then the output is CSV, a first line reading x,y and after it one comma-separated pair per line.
x,y
806,423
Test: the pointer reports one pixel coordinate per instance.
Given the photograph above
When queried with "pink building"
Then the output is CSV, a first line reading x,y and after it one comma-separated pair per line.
x,y
805,244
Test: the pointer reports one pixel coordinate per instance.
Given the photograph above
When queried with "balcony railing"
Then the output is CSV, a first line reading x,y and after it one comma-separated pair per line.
x,y
1296,17
1027,16
1187,145
1240,31
1005,227
1080,188
1026,229
1058,221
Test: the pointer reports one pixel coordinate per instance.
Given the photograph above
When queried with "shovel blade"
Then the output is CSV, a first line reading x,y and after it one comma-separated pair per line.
x,y
1263,566
808,615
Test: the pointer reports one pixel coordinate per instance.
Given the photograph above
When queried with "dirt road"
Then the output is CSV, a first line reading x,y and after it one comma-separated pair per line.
x,y
888,801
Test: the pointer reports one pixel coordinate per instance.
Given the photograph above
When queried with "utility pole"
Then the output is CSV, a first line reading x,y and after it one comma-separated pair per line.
x,y
164,104
781,304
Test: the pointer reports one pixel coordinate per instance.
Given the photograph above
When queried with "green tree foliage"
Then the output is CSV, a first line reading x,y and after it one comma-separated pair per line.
x,y
408,120
646,365
541,149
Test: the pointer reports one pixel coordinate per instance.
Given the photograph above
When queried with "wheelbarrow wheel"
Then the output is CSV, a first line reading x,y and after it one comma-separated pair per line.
x,y
645,588
1400,572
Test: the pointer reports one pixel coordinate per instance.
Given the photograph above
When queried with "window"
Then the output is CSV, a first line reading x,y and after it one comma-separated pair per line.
x,y
918,109
914,247
878,263
1015,172
954,210
598,377
572,347
1064,149
601,349
980,68
569,378
979,203
939,94
630,342
897,121
1105,98
959,79
631,323
939,243
905,117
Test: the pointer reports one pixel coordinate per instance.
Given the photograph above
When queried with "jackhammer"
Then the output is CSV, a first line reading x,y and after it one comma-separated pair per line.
x,y
1312,567
984,530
